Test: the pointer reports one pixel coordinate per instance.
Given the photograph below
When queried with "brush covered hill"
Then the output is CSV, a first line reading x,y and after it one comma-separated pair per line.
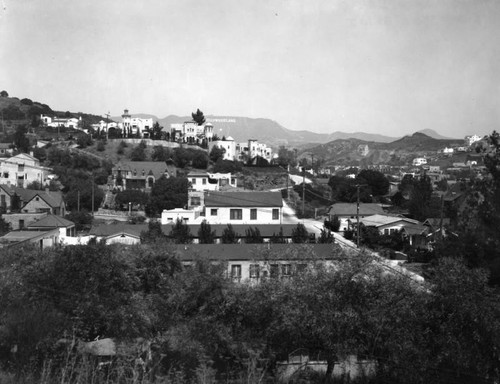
x,y
361,152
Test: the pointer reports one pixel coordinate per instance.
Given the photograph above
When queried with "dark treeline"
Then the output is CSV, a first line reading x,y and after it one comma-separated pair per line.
x,y
207,328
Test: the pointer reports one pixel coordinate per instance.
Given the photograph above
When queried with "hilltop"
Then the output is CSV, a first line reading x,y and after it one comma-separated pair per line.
x,y
350,151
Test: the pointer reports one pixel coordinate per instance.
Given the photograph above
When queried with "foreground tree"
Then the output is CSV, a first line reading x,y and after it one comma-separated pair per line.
x,y
167,193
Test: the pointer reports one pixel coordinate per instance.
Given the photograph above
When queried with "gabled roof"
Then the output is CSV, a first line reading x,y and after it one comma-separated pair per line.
x,y
24,156
156,168
5,145
52,221
415,229
380,220
109,230
243,199
350,209
53,198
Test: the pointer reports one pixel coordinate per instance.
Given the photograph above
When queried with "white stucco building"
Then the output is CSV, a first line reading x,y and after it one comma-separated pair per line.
x,y
21,170
135,125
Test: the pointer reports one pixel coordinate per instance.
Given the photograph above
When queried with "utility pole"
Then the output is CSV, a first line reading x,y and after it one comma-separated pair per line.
x,y
107,120
357,215
357,212
92,194
303,190
78,201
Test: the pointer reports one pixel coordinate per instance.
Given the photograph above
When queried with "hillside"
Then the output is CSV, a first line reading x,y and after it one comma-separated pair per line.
x,y
353,151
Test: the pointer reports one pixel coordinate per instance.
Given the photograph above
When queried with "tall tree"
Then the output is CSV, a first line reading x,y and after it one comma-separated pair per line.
x,y
180,233
229,236
205,233
167,193
198,117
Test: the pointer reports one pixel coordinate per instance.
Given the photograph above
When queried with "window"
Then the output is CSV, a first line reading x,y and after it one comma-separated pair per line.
x,y
386,231
193,181
286,269
213,212
21,224
236,271
276,214
235,214
253,214
195,200
20,167
254,271
204,181
37,198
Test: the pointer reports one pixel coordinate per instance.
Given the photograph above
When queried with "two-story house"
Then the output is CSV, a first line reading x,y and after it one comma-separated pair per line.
x,y
140,174
21,170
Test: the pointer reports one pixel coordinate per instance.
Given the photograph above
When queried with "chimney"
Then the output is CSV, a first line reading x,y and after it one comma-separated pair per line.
x,y
47,190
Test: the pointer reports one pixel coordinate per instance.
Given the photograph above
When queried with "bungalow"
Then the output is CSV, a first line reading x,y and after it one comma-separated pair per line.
x,y
122,233
31,200
415,231
251,263
43,239
347,212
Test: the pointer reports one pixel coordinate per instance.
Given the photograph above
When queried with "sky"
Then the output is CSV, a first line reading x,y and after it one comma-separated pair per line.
x,y
391,67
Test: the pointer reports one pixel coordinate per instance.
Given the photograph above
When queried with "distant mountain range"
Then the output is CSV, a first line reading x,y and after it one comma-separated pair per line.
x,y
272,133
398,152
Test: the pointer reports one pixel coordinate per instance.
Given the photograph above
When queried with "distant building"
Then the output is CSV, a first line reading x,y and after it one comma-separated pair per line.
x,y
135,125
242,151
190,131
363,150
70,122
204,181
140,174
347,212
418,161
469,140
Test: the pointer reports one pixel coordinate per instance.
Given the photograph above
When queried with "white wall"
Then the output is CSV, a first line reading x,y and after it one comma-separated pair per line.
x,y
264,216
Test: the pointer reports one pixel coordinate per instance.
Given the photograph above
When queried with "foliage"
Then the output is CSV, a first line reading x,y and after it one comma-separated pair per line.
x,y
4,226
82,219
286,157
253,236
333,224
154,233
344,189
101,146
21,142
167,193
161,153
4,94
205,233
375,180
226,166
278,238
200,160
326,237
139,152
156,131
229,236
180,233
198,117
136,197
216,153
300,234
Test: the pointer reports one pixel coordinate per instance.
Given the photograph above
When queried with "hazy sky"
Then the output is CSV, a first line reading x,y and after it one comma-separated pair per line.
x,y
378,66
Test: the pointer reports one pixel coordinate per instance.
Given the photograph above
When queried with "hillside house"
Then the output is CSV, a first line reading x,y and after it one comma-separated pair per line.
x,y
5,150
140,174
204,181
32,200
21,170
347,212
136,126
418,161
242,151
190,131
54,122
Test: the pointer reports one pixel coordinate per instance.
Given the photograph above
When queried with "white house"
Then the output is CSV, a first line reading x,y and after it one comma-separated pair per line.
x,y
71,122
229,147
204,181
418,161
243,207
347,213
21,170
135,125
242,151
190,131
